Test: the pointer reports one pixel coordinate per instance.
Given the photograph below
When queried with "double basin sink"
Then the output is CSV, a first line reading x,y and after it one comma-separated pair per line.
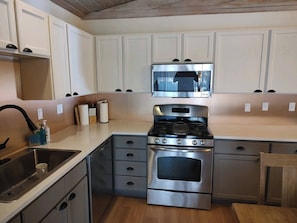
x,y
18,176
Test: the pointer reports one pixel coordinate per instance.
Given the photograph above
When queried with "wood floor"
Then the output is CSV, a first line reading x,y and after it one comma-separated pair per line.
x,y
134,210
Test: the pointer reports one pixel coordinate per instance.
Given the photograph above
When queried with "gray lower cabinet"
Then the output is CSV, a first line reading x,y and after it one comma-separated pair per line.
x,y
16,219
275,174
66,201
130,165
236,169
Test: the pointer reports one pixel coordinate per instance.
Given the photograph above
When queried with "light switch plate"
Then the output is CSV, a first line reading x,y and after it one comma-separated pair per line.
x,y
247,107
59,109
292,106
39,113
265,106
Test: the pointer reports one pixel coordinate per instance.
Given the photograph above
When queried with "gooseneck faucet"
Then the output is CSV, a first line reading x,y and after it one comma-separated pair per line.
x,y
30,124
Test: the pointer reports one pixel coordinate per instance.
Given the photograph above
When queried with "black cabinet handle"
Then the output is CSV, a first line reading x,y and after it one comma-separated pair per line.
x,y
63,206
75,93
27,50
240,148
11,46
130,183
175,60
271,91
258,91
118,90
68,95
130,168
187,60
129,142
129,90
71,196
296,151
130,155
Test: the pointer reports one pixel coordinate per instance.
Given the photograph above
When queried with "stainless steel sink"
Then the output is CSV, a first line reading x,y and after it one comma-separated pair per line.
x,y
18,175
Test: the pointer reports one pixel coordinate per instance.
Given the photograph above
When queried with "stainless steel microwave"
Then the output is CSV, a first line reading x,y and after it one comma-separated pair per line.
x,y
182,80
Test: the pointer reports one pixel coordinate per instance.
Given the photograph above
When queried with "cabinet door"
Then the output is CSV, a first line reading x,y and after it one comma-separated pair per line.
x,y
7,25
78,201
59,58
282,69
109,63
81,47
198,47
275,173
236,177
58,214
33,30
240,61
166,47
137,63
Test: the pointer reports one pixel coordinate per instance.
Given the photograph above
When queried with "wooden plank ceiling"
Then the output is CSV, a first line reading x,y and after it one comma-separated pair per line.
x,y
114,9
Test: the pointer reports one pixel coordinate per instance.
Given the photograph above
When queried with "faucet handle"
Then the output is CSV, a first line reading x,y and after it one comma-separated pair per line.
x,y
3,145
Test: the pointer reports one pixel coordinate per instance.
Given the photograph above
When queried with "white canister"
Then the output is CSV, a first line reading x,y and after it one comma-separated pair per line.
x,y
102,107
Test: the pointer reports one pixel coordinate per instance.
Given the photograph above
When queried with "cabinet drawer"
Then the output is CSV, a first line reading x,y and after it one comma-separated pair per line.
x,y
75,175
284,148
130,141
130,154
238,147
130,186
130,168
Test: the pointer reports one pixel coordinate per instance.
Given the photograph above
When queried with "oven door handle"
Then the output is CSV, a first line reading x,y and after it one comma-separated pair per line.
x,y
171,149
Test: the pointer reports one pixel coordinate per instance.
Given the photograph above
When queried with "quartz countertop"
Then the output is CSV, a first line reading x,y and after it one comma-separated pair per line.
x,y
89,137
279,133
83,138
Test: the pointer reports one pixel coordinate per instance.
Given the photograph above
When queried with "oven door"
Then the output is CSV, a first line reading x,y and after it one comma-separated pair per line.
x,y
180,168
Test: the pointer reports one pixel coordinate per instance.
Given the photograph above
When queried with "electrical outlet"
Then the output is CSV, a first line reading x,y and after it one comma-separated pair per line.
x,y
265,106
292,106
247,107
39,113
59,109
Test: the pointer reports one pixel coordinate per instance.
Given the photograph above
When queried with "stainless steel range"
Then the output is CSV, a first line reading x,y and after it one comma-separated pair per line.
x,y
180,156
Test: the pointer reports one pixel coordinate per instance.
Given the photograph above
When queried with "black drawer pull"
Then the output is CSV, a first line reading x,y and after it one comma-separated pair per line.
x,y
71,196
130,155
11,46
296,151
75,93
68,95
240,148
130,183
118,90
129,142
63,206
27,50
130,168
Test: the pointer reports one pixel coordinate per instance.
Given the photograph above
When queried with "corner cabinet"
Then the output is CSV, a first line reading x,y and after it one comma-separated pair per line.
x,y
130,165
237,169
240,61
81,48
124,63
192,46
282,69
59,58
8,34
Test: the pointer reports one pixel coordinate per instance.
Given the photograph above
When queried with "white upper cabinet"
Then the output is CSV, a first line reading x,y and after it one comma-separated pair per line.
x,y
33,30
192,46
282,66
8,35
59,58
109,63
240,61
124,63
81,48
137,63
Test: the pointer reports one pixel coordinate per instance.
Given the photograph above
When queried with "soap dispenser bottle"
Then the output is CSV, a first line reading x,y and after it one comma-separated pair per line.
x,y
47,131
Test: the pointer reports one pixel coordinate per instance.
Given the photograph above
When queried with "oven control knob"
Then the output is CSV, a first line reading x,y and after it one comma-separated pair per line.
x,y
179,141
202,142
164,141
194,142
157,140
